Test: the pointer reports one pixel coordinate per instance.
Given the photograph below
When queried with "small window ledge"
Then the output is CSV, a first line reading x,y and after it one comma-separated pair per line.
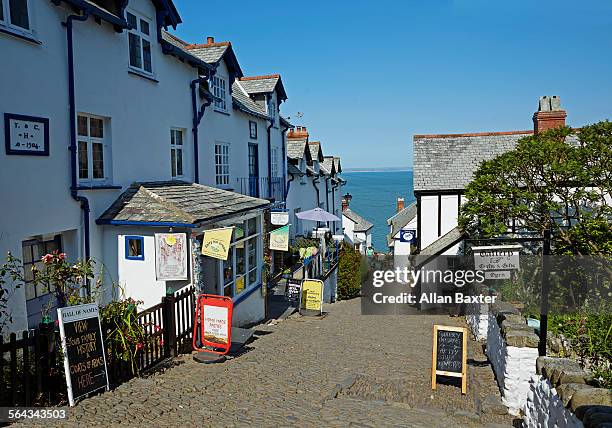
x,y
99,187
142,75
29,37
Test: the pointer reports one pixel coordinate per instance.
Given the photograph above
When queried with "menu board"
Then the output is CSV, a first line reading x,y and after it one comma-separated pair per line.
x,y
449,356
311,297
292,291
83,346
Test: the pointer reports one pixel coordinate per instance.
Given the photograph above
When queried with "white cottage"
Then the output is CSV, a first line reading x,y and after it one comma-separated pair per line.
x,y
402,231
357,230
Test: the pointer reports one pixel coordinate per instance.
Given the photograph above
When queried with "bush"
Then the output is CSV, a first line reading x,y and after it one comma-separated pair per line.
x,y
349,273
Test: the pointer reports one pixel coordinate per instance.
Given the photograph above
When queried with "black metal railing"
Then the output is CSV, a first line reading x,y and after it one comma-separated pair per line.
x,y
262,187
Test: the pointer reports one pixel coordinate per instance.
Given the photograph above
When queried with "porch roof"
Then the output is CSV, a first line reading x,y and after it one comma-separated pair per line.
x,y
176,202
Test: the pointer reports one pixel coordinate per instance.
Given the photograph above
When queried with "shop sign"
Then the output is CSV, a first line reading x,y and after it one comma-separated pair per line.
x,y
216,242
279,218
171,256
213,324
311,297
279,239
500,257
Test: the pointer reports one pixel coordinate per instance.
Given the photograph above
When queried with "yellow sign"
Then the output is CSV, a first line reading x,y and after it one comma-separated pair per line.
x,y
279,239
217,242
239,284
312,295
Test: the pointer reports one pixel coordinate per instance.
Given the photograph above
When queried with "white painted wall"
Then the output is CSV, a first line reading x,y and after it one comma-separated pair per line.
x,y
544,407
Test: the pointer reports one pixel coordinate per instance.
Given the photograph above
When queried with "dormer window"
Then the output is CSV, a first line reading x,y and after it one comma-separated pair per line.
x,y
139,37
14,14
218,86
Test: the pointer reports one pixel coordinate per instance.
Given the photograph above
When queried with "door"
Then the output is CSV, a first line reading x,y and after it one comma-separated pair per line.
x,y
253,170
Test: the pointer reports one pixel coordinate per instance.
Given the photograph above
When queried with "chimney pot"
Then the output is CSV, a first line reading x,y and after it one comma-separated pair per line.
x,y
210,40
400,204
549,115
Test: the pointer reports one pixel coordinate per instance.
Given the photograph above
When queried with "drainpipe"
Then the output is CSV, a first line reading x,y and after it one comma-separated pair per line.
x,y
284,155
314,184
289,185
73,145
270,160
334,187
198,114
327,196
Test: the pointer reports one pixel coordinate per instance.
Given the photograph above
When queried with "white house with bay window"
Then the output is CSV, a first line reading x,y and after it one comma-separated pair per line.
x,y
113,117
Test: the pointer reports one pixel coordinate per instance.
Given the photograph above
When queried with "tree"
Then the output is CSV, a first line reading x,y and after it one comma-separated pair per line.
x,y
349,275
557,180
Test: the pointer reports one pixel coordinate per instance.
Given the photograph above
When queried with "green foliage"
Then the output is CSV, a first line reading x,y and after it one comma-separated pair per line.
x,y
349,272
548,182
11,279
590,336
125,337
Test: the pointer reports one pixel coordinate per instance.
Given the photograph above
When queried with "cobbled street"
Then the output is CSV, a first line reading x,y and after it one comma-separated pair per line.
x,y
343,370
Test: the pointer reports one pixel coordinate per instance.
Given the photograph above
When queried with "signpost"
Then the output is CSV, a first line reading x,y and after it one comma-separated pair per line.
x,y
497,257
83,347
311,297
408,235
449,357
213,317
279,218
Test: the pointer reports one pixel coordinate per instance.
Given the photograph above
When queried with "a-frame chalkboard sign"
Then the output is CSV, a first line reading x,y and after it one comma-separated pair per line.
x,y
449,357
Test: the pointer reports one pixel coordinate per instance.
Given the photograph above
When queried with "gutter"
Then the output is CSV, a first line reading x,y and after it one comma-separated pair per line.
x,y
84,202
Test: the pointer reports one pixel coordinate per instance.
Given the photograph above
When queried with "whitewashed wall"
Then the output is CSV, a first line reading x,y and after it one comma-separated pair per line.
x,y
544,408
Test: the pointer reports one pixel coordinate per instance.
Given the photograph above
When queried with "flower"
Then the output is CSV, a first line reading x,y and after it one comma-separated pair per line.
x,y
157,328
47,258
62,256
139,345
161,342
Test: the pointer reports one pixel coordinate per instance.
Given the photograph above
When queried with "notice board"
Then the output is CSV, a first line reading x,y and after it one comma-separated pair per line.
x,y
83,346
449,357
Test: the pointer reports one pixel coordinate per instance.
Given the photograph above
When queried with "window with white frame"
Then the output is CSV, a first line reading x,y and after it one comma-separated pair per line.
x,y
222,176
139,40
274,162
14,14
32,252
218,86
242,269
92,148
176,152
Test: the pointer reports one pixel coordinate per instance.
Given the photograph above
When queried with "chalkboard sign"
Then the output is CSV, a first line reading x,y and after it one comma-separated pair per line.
x,y
292,290
84,358
449,356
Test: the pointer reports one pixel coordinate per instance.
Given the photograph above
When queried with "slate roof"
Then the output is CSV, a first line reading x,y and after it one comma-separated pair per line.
x,y
263,84
178,47
315,150
294,170
361,224
296,148
211,54
176,202
337,165
400,220
244,103
328,164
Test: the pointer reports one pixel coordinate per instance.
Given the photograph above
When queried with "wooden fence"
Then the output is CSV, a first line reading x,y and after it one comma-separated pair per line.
x,y
32,371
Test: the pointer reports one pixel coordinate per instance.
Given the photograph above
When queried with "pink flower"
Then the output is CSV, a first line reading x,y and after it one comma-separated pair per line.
x,y
47,258
161,342
56,322
157,328
139,345
62,256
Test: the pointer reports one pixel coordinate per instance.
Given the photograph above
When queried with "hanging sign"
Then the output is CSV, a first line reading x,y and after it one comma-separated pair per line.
x,y
83,348
213,324
408,235
311,297
26,135
449,357
500,257
216,242
171,256
497,274
292,290
279,218
279,239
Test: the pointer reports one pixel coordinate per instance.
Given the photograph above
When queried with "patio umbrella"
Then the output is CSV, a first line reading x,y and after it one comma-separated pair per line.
x,y
317,214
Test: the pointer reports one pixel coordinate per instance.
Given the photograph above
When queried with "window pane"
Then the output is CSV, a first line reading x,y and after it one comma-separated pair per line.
x,y
131,19
252,277
36,252
227,291
178,137
179,162
19,13
144,27
30,291
240,259
252,248
134,247
252,226
173,161
28,275
96,128
228,268
26,252
135,58
82,125
83,169
98,160
146,53
238,232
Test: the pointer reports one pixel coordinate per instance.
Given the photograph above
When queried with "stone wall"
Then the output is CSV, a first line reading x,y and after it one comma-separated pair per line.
x,y
560,396
477,318
512,348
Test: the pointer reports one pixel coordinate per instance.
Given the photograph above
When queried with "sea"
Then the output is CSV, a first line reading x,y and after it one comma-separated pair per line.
x,y
375,194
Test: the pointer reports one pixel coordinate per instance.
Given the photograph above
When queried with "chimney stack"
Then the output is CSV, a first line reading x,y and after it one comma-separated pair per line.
x,y
210,40
299,132
549,115
400,204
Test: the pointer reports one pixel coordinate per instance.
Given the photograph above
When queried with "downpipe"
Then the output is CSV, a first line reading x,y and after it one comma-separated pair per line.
x,y
198,114
270,160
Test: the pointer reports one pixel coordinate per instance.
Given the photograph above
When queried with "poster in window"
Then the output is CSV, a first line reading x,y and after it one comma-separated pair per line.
x,y
170,256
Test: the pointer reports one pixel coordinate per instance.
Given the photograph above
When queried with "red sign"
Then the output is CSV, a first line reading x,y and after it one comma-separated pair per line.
x,y
213,317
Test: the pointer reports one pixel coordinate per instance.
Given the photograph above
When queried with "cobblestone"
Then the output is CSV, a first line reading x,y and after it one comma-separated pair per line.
x,y
345,369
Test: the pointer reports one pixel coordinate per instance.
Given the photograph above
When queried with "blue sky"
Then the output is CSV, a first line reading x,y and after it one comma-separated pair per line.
x,y
367,75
